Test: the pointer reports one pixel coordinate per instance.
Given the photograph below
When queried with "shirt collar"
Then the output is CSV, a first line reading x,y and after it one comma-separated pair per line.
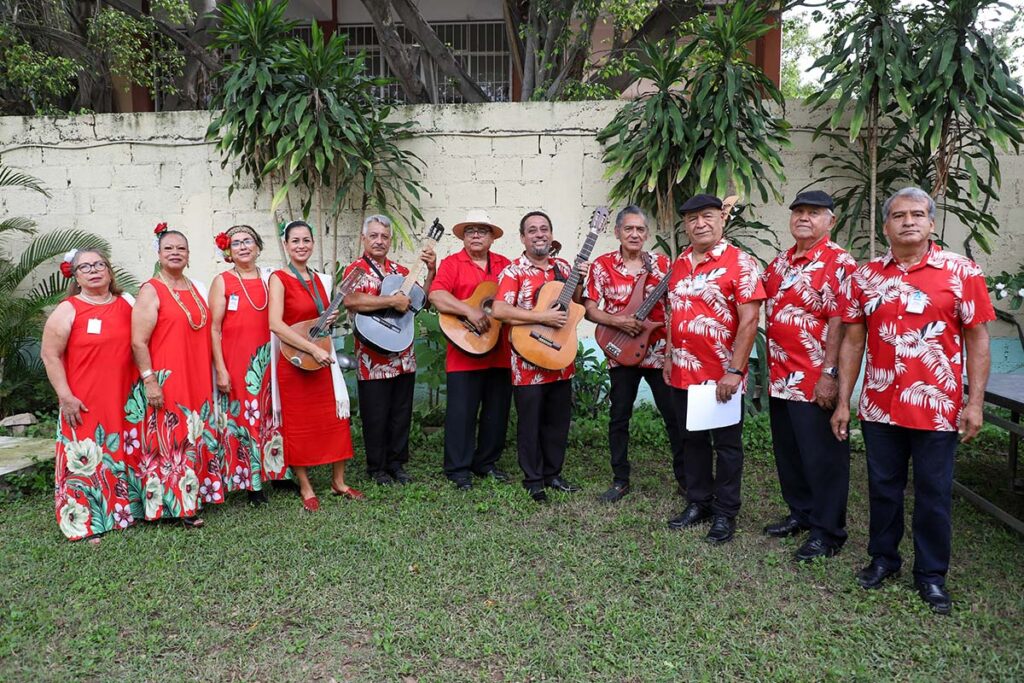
x,y
811,254
384,267
525,262
932,258
714,253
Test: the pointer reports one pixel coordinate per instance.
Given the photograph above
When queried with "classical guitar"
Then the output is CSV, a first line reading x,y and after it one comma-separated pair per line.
x,y
555,348
630,350
387,330
463,335
317,330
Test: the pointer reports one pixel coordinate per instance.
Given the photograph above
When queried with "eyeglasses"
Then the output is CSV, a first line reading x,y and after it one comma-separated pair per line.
x,y
235,244
477,231
97,267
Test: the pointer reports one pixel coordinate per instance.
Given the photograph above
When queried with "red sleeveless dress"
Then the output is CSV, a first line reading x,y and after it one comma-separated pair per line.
x,y
96,490
178,464
252,447
313,432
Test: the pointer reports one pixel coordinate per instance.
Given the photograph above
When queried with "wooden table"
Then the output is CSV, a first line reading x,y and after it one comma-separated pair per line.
x,y
1005,391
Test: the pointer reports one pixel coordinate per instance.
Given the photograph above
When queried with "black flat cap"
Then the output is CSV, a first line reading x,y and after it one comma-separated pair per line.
x,y
700,201
813,198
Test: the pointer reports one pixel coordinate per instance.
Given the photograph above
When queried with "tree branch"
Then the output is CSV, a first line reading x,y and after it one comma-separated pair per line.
x,y
190,46
395,52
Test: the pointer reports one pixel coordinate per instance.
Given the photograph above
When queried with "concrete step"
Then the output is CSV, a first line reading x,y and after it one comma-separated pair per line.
x,y
18,453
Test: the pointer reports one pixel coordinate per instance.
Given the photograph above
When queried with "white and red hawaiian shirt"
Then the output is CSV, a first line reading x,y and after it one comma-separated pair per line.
x,y
915,319
518,285
372,363
704,301
610,281
803,294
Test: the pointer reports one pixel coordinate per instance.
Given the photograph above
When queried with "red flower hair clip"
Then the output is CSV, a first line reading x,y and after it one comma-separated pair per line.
x,y
65,266
160,229
224,244
65,270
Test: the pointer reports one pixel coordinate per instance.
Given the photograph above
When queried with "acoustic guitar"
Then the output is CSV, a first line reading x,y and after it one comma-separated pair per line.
x,y
630,350
463,335
387,330
555,348
317,330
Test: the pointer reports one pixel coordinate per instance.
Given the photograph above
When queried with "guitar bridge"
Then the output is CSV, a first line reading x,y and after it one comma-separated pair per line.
x,y
545,341
613,350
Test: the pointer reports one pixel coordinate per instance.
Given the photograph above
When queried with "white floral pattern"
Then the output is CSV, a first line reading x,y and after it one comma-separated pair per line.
x,y
74,519
84,457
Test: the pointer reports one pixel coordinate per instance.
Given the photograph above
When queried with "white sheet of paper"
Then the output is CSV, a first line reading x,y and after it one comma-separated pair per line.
x,y
703,411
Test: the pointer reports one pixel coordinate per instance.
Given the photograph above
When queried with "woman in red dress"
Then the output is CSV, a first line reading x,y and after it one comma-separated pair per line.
x,y
86,350
251,447
314,405
171,344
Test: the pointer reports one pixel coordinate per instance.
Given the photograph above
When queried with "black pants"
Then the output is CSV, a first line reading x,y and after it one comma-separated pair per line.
x,y
544,412
889,450
475,420
625,384
385,410
814,467
713,463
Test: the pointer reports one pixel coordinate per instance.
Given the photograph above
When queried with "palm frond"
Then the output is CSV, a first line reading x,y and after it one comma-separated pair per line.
x,y
12,178
16,224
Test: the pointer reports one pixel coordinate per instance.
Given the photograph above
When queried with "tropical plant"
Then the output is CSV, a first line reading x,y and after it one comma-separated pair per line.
x,y
591,383
667,149
25,294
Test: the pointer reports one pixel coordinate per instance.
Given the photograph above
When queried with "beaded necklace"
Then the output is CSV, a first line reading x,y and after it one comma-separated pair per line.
x,y
245,291
181,304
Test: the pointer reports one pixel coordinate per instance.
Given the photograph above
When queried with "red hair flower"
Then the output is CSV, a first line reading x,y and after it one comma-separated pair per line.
x,y
160,229
223,241
65,269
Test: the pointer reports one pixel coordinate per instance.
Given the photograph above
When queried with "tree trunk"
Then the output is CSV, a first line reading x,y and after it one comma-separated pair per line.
x,y
873,156
438,51
530,55
396,53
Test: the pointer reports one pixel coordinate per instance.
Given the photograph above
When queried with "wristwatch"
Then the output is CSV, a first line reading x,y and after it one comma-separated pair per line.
x,y
734,371
832,372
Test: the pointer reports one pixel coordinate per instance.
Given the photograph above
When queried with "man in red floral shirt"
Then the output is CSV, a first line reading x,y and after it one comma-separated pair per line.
x,y
804,329
386,380
714,298
543,397
612,280
919,308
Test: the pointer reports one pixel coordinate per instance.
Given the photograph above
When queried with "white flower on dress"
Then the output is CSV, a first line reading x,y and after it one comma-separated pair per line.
x,y
131,440
252,411
74,519
154,497
189,486
195,426
241,477
210,491
84,457
123,516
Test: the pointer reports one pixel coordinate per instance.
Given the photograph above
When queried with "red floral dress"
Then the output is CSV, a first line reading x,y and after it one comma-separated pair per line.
x,y
96,490
177,460
252,448
313,433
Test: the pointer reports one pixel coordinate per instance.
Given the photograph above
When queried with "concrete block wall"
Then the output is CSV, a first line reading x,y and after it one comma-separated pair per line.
x,y
120,174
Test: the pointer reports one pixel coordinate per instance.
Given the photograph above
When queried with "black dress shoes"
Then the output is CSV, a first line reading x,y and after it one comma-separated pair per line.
x,y
693,514
401,476
562,485
258,498
463,484
538,494
785,527
495,474
814,548
935,596
615,493
382,478
722,530
874,575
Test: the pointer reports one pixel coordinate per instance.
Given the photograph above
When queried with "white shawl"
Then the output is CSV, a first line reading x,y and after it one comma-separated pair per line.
x,y
341,401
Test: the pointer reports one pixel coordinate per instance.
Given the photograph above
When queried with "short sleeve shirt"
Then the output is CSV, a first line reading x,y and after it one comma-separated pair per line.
x,y
611,283
460,276
704,301
518,285
803,294
372,363
914,319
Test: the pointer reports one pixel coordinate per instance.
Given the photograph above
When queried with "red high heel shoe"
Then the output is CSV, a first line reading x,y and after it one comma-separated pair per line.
x,y
350,493
311,504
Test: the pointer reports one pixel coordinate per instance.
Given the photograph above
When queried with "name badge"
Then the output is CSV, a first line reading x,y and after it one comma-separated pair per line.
x,y
697,284
916,302
233,302
790,279
93,326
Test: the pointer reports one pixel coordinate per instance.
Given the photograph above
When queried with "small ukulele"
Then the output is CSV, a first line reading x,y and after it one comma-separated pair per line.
x,y
630,350
317,330
555,348
387,330
463,335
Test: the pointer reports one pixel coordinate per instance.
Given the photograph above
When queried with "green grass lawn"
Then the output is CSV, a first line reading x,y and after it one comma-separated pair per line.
x,y
425,583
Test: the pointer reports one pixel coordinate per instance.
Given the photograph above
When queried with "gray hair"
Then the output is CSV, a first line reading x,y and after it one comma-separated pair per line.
x,y
376,218
631,210
915,193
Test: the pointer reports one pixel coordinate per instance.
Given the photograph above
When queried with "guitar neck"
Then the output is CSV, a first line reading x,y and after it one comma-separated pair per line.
x,y
651,301
414,271
573,280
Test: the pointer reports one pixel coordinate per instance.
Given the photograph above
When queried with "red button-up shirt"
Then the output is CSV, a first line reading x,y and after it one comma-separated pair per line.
x,y
610,281
705,302
915,319
803,294
460,276
374,364
518,285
